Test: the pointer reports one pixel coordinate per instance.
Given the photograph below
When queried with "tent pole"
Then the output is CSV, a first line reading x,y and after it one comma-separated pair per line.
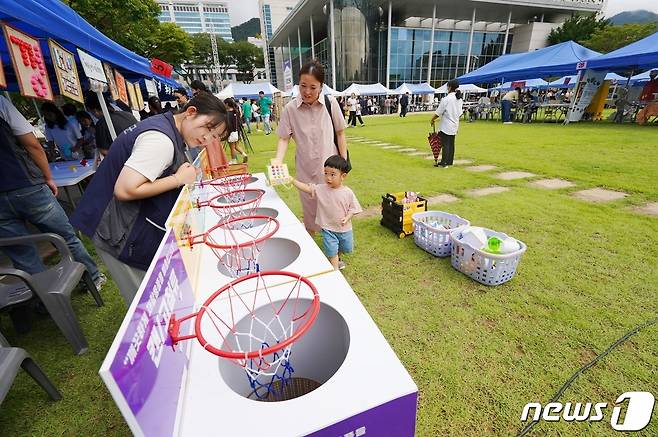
x,y
429,64
333,43
470,43
36,107
312,39
509,20
388,45
106,114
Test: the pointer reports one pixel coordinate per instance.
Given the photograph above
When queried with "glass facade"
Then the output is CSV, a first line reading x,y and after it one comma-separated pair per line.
x,y
198,17
359,36
410,48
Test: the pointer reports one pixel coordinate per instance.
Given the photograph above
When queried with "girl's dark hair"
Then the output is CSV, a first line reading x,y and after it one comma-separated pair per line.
x,y
315,69
207,104
453,85
69,109
198,85
337,162
230,102
82,115
59,115
154,103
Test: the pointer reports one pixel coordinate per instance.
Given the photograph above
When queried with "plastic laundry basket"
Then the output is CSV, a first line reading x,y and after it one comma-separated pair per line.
x,y
431,238
483,267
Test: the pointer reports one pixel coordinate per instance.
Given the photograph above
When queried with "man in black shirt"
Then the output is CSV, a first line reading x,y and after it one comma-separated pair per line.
x,y
404,103
120,119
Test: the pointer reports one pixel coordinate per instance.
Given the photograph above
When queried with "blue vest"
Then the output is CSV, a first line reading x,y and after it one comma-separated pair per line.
x,y
18,168
127,229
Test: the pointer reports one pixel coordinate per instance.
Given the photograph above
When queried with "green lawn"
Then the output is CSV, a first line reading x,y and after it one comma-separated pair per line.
x,y
477,354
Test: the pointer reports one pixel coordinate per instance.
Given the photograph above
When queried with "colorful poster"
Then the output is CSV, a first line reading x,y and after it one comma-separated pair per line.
x,y
151,89
121,87
133,97
588,86
28,64
111,83
3,81
142,370
67,72
140,96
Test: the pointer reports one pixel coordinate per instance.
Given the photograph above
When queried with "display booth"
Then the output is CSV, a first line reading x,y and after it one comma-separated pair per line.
x,y
191,357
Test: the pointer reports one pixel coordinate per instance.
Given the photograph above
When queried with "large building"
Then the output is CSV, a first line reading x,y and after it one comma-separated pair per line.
x,y
396,41
197,16
272,14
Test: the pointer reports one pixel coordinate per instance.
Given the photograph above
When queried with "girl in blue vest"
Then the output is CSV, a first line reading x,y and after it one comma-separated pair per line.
x,y
131,195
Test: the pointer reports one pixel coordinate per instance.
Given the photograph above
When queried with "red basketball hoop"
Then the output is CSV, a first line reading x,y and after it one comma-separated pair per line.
x,y
233,203
228,183
254,321
237,242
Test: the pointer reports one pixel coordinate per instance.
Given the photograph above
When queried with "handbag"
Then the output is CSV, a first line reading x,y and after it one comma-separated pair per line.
x,y
327,104
435,143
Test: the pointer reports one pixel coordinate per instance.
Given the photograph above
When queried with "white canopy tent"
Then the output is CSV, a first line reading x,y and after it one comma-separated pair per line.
x,y
466,88
376,89
525,84
248,90
326,89
414,88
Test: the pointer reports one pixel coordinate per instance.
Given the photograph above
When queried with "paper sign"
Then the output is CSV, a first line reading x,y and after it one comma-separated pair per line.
x,y
67,72
121,87
133,97
518,84
111,83
92,67
161,67
582,65
29,64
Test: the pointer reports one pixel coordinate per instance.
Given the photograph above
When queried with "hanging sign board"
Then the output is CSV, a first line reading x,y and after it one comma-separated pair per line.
x,y
133,97
3,81
140,96
67,72
121,87
150,87
28,64
92,67
111,83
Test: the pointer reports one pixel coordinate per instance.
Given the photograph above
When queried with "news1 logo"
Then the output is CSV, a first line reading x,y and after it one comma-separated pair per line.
x,y
639,409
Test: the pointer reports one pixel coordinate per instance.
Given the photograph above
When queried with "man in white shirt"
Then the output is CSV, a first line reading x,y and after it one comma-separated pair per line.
x,y
352,102
449,110
511,98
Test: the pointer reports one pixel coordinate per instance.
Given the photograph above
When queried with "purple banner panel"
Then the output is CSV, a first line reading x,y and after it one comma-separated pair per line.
x,y
396,418
146,369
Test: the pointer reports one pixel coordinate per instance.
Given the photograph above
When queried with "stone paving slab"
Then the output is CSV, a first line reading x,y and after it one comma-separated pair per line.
x,y
462,161
552,184
599,195
479,168
648,209
442,198
512,175
406,150
391,147
479,192
418,154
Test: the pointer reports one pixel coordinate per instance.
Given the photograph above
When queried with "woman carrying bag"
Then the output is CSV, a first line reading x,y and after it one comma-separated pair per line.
x,y
449,110
318,131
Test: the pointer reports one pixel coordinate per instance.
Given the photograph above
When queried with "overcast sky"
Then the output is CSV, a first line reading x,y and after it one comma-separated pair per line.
x,y
616,6
243,10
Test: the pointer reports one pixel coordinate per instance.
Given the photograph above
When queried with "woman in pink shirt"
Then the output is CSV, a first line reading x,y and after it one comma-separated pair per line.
x,y
306,119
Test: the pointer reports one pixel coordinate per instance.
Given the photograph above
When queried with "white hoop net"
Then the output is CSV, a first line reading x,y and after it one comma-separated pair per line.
x,y
233,204
254,322
227,183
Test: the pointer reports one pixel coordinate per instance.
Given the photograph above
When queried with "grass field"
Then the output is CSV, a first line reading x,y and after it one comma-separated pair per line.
x,y
477,354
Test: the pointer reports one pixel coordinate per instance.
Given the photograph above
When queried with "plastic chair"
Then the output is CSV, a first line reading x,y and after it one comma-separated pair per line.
x,y
53,287
13,358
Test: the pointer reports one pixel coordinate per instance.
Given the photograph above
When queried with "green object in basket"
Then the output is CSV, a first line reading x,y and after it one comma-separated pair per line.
x,y
493,245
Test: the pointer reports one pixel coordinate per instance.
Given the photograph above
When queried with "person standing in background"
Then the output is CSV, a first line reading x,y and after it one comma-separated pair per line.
x,y
181,97
246,113
121,120
265,104
351,103
511,98
449,110
62,131
404,103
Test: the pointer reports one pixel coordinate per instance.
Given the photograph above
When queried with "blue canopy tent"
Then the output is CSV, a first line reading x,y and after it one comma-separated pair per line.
x,y
43,19
525,84
642,77
550,61
636,56
572,80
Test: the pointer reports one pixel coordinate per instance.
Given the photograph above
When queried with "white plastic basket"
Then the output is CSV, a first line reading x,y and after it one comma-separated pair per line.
x,y
483,267
432,239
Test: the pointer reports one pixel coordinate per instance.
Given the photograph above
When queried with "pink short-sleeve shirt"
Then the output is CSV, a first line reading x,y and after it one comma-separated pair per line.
x,y
333,205
310,126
